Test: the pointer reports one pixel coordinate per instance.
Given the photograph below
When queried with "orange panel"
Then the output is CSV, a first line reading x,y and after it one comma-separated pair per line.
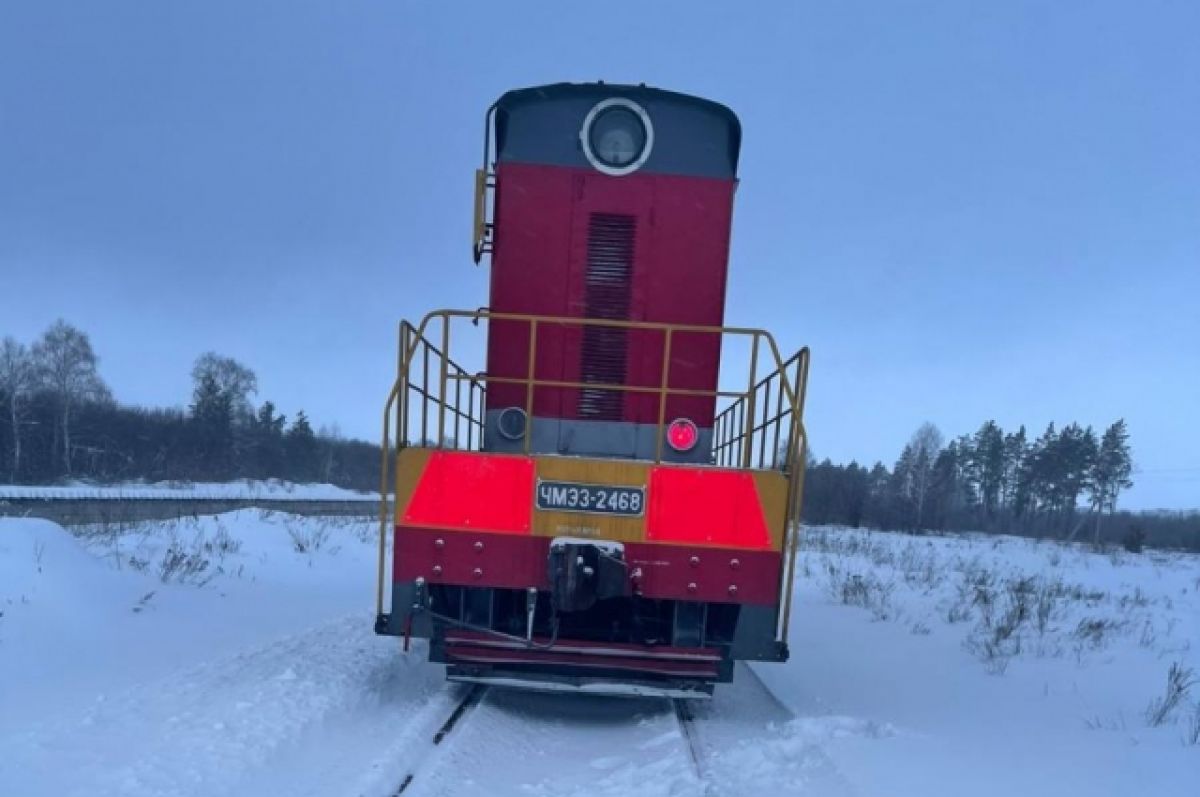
x,y
483,492
706,506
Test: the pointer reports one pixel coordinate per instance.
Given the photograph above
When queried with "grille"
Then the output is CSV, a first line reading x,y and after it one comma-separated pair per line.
x,y
608,287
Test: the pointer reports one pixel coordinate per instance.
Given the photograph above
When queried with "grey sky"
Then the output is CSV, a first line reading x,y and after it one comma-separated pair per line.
x,y
967,210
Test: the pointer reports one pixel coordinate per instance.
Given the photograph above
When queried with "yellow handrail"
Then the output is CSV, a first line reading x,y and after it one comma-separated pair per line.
x,y
413,337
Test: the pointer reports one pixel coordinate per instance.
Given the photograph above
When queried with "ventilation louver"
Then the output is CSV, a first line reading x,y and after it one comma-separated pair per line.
x,y
608,287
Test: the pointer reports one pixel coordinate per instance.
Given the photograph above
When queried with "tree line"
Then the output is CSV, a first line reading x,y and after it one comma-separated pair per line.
x,y
60,421
1064,483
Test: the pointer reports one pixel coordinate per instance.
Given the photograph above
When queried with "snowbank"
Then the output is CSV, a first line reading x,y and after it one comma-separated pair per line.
x,y
234,654
991,665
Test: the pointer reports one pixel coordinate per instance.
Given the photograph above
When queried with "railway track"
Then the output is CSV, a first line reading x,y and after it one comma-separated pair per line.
x,y
444,731
688,730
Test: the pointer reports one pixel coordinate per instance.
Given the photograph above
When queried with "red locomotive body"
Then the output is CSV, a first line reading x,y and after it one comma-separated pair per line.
x,y
593,510
573,240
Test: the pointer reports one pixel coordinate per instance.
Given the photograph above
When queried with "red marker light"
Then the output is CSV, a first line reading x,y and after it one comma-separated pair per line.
x,y
682,434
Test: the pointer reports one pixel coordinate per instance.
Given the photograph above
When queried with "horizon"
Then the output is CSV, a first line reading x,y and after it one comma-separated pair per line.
x,y
967,216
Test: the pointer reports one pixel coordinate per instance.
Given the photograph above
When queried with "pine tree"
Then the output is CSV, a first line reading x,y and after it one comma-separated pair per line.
x,y
1076,454
301,446
988,455
1015,450
211,421
1110,472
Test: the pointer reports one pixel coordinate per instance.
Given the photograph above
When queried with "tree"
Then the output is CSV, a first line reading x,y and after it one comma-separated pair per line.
x,y
1015,450
922,449
231,378
1110,472
17,379
301,449
66,366
988,456
212,424
266,433
1075,453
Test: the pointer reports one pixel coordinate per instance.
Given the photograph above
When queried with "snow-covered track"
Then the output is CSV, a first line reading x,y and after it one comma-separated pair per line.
x,y
469,701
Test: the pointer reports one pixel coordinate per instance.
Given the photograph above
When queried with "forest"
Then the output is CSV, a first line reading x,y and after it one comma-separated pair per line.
x,y
60,422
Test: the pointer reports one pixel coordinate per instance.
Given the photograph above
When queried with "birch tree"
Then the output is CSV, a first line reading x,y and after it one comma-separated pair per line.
x,y
17,379
66,367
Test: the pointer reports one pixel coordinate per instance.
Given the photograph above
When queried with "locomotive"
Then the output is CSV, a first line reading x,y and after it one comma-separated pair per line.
x,y
610,504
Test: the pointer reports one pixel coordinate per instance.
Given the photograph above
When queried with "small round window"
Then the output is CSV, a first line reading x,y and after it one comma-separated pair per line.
x,y
617,136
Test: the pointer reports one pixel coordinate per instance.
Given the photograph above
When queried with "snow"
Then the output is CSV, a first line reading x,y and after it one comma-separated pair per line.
x,y
233,654
247,489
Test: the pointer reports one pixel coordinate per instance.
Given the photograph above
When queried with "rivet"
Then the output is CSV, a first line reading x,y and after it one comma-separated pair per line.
x,y
734,564
733,589
437,570
439,543
477,572
694,561
692,586
478,547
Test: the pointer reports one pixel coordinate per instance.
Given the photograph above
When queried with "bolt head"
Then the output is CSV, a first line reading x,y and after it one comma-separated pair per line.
x,y
477,572
734,564
439,543
694,561
733,589
478,547
437,570
691,586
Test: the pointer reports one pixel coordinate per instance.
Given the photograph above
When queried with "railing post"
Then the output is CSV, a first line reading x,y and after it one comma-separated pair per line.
x,y
402,364
662,394
442,373
748,449
533,328
779,416
424,392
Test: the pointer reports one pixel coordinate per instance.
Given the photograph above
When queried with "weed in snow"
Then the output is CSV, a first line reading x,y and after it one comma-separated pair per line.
x,y
1180,680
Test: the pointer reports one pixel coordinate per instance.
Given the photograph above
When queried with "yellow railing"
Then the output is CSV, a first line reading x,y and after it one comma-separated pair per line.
x,y
761,426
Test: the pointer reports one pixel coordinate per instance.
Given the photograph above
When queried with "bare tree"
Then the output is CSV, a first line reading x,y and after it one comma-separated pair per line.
x,y
17,378
66,366
231,378
925,444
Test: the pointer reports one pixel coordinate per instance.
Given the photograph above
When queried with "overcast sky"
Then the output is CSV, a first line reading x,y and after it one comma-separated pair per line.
x,y
967,210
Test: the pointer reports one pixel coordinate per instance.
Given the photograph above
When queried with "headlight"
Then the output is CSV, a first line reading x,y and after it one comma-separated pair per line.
x,y
511,423
617,136
682,435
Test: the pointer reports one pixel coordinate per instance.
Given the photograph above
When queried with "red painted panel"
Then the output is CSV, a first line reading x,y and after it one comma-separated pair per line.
x,y
510,561
680,269
516,561
707,506
680,572
483,492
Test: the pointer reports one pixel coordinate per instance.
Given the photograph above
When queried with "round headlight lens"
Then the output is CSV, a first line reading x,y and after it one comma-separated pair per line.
x,y
511,423
682,435
617,136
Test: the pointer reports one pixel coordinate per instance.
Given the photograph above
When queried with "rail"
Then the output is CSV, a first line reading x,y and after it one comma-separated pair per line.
x,y
758,427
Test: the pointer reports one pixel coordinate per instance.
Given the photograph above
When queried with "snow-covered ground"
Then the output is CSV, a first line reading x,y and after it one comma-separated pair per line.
x,y
246,489
234,655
